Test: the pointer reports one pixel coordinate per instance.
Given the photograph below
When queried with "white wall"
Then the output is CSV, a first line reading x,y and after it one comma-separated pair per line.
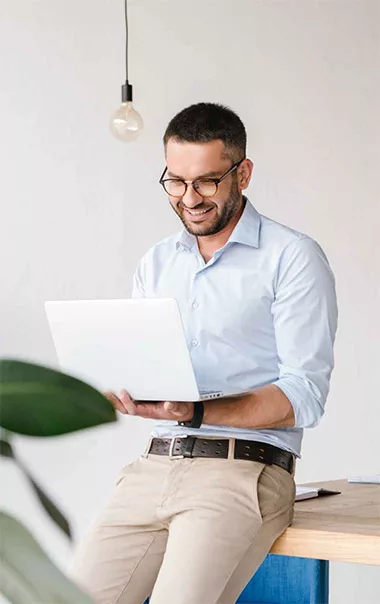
x,y
78,208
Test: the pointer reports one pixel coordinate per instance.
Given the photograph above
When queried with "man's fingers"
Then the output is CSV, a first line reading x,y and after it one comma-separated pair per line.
x,y
178,411
149,409
116,402
128,402
172,407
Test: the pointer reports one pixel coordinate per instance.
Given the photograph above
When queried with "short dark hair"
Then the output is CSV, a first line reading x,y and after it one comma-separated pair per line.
x,y
206,122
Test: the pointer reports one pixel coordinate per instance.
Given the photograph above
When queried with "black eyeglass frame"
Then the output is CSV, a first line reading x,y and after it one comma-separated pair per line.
x,y
216,181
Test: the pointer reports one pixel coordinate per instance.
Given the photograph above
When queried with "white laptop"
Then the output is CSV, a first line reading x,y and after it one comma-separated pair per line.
x,y
136,345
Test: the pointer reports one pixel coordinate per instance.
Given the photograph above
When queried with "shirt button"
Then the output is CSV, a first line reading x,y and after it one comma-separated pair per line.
x,y
194,343
194,305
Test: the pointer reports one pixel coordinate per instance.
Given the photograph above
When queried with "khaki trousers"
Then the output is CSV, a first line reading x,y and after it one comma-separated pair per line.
x,y
185,531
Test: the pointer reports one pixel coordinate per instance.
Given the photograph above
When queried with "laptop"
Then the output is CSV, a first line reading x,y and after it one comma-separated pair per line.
x,y
136,345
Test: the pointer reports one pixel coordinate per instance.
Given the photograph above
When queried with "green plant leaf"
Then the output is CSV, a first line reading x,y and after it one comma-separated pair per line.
x,y
27,576
48,505
39,401
6,449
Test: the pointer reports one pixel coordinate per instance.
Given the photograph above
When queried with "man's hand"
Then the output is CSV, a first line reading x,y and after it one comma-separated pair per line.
x,y
179,412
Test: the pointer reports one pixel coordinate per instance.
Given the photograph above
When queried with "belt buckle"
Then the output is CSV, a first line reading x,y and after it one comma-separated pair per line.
x,y
172,445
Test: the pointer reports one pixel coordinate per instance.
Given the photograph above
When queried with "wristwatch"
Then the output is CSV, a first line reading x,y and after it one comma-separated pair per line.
x,y
197,419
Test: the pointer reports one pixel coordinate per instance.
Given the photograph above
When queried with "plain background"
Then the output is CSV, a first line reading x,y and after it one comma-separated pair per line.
x,y
78,208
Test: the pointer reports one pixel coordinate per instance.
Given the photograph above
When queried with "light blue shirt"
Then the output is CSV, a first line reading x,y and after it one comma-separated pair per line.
x,y
261,311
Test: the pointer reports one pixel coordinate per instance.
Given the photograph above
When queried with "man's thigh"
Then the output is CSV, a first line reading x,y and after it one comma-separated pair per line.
x,y
275,520
225,505
119,559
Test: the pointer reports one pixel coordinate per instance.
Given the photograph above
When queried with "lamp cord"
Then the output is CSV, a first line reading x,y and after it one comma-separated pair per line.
x,y
126,41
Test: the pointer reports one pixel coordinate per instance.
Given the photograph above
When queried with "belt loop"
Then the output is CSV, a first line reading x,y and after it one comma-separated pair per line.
x,y
231,448
147,449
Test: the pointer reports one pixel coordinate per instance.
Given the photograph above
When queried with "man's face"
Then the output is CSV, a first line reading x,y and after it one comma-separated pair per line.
x,y
203,216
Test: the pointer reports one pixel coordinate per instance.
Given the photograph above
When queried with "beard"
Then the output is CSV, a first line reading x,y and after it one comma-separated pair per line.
x,y
220,217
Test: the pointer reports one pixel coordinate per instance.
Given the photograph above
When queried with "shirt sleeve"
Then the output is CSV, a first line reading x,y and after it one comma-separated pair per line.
x,y
305,322
138,289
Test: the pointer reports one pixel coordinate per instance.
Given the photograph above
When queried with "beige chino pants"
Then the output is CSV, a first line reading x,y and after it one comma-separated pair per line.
x,y
185,531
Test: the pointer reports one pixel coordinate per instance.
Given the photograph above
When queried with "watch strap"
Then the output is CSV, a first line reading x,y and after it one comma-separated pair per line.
x,y
197,419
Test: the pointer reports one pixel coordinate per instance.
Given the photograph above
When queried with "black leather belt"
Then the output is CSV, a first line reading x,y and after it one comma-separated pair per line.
x,y
192,446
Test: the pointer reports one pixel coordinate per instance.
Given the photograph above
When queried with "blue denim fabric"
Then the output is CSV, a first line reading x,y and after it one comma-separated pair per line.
x,y
288,580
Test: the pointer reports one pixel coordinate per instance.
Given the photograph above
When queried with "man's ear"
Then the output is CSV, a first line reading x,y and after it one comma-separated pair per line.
x,y
245,174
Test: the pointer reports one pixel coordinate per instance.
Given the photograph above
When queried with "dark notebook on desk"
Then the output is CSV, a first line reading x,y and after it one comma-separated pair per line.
x,y
311,492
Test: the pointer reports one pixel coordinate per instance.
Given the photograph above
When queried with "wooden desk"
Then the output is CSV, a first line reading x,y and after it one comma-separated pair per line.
x,y
342,527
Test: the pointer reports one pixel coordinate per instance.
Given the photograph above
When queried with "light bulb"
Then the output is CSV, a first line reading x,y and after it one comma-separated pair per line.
x,y
126,123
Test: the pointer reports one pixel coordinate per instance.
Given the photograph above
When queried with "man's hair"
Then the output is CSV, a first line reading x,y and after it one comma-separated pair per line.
x,y
206,122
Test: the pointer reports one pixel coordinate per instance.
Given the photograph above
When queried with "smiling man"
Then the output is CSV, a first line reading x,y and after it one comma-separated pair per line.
x,y
191,520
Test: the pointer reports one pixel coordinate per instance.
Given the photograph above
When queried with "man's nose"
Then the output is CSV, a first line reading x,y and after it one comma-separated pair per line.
x,y
191,197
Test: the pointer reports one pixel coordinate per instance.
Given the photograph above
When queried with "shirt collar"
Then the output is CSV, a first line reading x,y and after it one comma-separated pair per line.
x,y
186,240
247,230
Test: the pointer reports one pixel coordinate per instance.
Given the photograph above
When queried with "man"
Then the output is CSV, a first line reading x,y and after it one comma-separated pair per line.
x,y
192,520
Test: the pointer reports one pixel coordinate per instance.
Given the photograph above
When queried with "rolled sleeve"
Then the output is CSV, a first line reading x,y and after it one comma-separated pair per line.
x,y
305,322
138,289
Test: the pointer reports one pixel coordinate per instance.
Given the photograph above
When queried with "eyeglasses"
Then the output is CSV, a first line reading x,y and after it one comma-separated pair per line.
x,y
205,187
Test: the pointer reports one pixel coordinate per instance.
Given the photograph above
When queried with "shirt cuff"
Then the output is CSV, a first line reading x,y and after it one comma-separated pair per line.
x,y
305,398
